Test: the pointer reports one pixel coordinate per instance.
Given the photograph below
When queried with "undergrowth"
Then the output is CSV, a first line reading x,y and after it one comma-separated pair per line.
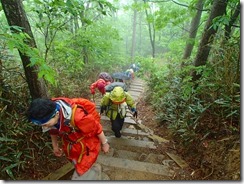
x,y
201,112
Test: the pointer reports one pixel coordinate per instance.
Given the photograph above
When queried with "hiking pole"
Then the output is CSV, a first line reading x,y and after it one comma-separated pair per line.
x,y
137,127
93,98
135,119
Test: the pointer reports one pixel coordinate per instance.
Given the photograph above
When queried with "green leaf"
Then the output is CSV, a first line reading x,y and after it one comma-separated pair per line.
x,y
5,159
4,139
10,173
10,167
182,130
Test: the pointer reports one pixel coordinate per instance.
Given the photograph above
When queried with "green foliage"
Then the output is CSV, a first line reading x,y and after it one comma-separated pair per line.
x,y
220,21
192,113
170,14
197,113
16,149
97,40
13,156
20,41
17,145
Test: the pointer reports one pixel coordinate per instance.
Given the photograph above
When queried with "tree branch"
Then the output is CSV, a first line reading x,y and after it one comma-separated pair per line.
x,y
185,5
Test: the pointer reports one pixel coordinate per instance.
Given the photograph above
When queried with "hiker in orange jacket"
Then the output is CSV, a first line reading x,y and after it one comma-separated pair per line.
x,y
100,85
77,123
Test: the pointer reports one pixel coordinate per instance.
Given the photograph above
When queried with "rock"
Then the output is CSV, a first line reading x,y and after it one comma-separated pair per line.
x,y
94,173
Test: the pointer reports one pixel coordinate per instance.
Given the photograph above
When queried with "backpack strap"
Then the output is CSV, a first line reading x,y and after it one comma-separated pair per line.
x,y
83,151
72,121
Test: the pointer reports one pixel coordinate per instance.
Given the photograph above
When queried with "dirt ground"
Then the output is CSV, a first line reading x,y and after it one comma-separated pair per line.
x,y
215,159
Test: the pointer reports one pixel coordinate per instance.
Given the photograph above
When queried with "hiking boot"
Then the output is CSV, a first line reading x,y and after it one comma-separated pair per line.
x,y
117,134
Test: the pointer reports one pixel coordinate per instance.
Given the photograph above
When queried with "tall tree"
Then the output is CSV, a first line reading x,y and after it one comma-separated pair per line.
x,y
218,9
193,29
134,33
151,29
1,82
233,19
16,16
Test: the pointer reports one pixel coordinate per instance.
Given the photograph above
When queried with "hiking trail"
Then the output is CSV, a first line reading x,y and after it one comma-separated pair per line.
x,y
138,155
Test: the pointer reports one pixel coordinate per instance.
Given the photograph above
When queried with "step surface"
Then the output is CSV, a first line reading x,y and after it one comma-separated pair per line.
x,y
133,156
134,165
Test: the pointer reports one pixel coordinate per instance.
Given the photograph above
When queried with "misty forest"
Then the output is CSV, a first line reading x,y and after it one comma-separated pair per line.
x,y
189,56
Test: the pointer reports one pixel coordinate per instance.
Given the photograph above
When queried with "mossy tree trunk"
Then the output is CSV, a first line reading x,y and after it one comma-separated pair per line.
x,y
16,16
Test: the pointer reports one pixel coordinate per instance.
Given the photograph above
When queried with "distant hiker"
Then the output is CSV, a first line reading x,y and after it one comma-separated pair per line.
x,y
105,76
120,77
135,67
130,73
100,85
115,104
112,85
77,123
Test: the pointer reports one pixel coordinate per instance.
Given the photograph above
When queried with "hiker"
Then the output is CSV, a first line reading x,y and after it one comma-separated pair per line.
x,y
135,67
130,73
100,85
112,85
77,123
115,104
120,77
105,76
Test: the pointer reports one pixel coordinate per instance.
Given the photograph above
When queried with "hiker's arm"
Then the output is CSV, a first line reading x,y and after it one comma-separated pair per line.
x,y
104,103
56,150
92,87
104,142
130,101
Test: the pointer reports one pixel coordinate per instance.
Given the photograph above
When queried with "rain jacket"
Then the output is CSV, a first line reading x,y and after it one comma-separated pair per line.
x,y
113,109
100,85
79,131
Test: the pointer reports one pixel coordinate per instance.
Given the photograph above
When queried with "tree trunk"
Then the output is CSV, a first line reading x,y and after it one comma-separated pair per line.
x,y
151,30
140,34
218,9
83,24
1,84
16,16
193,29
232,21
134,36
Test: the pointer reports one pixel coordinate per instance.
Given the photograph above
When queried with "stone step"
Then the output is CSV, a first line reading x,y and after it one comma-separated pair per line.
x,y
94,173
135,93
137,88
123,141
128,120
134,165
141,85
127,155
135,97
142,157
127,131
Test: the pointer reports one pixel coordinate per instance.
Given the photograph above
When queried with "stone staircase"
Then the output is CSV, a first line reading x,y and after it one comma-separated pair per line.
x,y
137,155
133,156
